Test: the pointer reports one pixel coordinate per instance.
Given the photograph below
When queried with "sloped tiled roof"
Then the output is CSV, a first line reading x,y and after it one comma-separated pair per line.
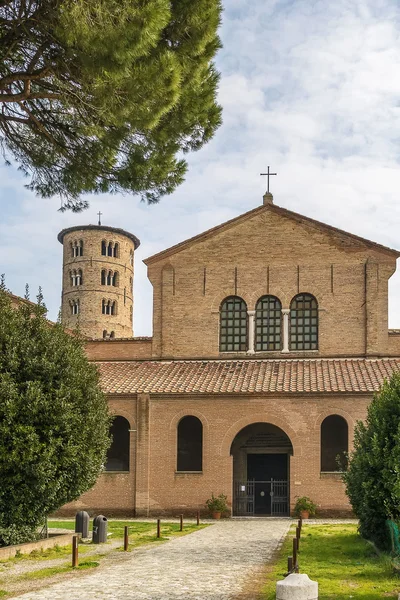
x,y
347,375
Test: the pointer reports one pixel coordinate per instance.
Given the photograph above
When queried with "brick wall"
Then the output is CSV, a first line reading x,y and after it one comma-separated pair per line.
x,y
271,254
91,293
154,487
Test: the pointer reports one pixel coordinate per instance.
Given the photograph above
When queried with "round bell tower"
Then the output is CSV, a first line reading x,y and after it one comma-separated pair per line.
x,y
97,290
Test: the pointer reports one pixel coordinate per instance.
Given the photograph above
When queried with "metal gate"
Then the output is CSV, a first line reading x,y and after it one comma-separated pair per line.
x,y
247,503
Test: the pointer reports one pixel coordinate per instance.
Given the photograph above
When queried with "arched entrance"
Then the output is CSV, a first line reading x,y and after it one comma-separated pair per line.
x,y
261,461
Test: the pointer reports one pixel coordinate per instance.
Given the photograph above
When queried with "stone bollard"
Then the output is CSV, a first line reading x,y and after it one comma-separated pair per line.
x,y
297,586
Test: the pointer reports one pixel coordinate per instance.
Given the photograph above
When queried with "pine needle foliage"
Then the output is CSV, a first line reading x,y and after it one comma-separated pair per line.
x,y
54,420
373,476
102,96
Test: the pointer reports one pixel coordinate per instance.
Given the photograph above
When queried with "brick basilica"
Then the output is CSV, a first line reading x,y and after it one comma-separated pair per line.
x,y
270,336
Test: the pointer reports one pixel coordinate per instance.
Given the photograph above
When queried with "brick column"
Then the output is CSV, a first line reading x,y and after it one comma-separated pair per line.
x,y
285,312
142,455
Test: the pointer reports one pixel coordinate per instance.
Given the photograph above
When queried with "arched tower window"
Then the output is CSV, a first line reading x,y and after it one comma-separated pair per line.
x,y
334,443
109,307
233,325
76,277
103,277
80,248
118,453
109,277
110,249
304,323
190,444
268,324
74,307
103,248
116,250
115,279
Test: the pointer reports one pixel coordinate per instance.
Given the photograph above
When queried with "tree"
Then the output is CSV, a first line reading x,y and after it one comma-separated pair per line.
x,y
54,421
106,96
373,475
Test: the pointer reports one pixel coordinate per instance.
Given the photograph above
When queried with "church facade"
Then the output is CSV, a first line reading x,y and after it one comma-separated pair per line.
x,y
270,336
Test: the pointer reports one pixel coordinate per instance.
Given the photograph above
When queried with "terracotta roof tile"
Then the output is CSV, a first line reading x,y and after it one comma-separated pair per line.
x,y
356,375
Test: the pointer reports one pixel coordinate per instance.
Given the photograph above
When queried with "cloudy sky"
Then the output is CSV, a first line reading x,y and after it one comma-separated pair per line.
x,y
311,88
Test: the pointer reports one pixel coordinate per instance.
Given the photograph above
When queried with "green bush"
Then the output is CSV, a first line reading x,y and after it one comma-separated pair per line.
x,y
54,421
373,476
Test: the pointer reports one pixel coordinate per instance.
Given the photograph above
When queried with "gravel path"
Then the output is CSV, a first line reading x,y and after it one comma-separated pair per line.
x,y
211,564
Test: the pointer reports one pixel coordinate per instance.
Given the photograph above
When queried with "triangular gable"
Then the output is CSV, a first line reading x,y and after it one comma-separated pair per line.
x,y
333,231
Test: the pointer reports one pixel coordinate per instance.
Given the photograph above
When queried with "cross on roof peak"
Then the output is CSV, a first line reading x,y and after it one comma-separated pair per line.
x,y
268,175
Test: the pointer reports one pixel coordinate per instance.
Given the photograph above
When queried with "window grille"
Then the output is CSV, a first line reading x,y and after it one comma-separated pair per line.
x,y
233,325
304,323
268,324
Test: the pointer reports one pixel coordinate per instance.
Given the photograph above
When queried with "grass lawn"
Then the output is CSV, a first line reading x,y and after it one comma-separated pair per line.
x,y
344,565
139,533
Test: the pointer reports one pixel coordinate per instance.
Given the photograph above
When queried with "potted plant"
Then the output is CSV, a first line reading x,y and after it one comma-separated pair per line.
x,y
217,505
305,507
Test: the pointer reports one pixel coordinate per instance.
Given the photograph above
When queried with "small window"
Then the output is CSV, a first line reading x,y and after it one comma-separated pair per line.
x,y
190,444
109,307
118,453
304,323
109,277
103,248
112,335
116,250
268,324
76,278
104,333
131,258
233,325
334,443
103,277
115,279
110,249
75,307
80,248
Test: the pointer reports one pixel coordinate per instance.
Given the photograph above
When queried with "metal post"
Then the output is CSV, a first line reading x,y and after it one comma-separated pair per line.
x,y
158,528
126,538
75,551
181,523
289,564
298,538
198,517
299,524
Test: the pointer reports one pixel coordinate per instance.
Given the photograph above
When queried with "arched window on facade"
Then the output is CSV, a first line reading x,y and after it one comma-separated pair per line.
x,y
110,249
115,279
118,453
103,248
190,444
334,443
109,277
103,277
76,277
74,307
304,323
109,307
233,325
268,324
116,250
